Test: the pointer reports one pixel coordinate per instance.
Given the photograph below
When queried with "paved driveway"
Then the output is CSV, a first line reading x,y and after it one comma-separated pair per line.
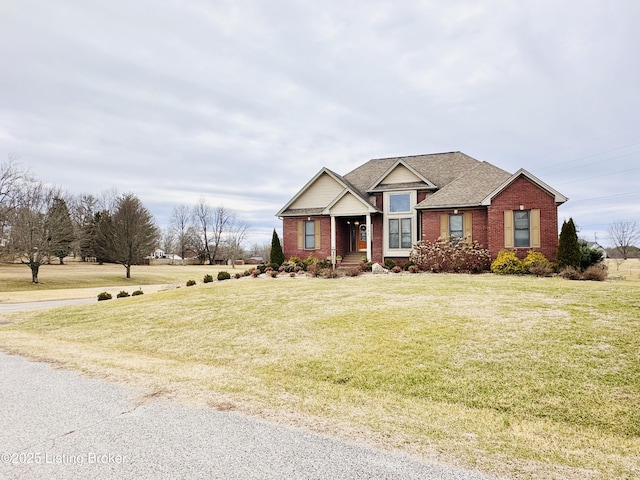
x,y
59,424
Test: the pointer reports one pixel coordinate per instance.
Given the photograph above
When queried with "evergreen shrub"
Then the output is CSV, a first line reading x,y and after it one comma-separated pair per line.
x,y
104,296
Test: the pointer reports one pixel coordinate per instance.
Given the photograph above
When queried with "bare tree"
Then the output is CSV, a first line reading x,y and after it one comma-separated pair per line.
x,y
236,233
34,235
182,229
202,218
83,209
168,241
127,234
624,234
12,181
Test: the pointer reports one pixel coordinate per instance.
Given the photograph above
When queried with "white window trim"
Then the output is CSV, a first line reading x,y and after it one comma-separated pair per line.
x,y
399,252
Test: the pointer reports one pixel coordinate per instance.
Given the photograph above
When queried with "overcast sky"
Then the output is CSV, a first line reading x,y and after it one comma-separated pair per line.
x,y
242,102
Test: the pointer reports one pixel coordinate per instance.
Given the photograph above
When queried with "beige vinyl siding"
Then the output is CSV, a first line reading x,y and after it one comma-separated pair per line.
x,y
320,194
400,174
349,205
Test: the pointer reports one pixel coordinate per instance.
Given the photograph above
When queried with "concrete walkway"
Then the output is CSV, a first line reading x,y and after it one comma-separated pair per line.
x,y
59,424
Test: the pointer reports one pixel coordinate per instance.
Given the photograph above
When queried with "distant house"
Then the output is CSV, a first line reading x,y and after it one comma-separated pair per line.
x,y
382,207
596,246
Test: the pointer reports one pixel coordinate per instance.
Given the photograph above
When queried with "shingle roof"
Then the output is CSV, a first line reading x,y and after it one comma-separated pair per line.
x,y
459,180
469,189
438,168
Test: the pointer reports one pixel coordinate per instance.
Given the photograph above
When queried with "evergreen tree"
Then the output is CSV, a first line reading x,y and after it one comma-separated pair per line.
x,y
569,254
128,234
60,229
277,255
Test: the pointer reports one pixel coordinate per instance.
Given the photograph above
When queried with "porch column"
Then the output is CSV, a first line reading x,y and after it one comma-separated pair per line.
x,y
368,237
333,241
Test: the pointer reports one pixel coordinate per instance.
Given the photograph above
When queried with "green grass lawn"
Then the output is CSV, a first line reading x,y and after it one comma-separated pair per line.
x,y
519,376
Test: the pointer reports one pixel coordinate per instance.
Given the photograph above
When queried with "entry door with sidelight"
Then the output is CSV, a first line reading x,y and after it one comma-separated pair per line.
x,y
361,235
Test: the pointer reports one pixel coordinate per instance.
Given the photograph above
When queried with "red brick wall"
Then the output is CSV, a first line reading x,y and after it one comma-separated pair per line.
x,y
376,250
523,192
431,224
290,238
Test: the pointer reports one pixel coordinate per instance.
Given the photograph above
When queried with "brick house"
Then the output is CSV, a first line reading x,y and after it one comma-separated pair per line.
x,y
382,207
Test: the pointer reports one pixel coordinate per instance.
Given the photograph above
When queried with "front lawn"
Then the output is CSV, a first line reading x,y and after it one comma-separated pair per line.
x,y
518,376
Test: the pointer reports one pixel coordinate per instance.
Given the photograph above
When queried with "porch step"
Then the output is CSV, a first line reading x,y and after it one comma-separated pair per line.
x,y
354,258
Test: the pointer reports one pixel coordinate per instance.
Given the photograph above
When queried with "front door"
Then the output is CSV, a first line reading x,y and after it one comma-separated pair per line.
x,y
361,236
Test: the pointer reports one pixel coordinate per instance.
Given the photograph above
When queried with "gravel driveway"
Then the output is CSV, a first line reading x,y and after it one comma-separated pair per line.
x,y
59,424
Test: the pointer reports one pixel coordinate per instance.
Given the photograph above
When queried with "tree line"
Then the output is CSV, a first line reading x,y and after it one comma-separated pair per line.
x,y
39,223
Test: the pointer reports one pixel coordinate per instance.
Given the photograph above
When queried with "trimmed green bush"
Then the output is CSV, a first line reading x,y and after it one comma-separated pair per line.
x,y
137,292
207,278
104,296
224,275
123,294
190,283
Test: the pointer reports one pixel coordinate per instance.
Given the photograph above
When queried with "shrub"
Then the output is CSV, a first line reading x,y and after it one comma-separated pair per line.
x,y
326,263
353,272
190,283
389,264
366,266
589,256
413,269
224,275
123,294
328,273
407,265
570,273
255,272
238,276
537,264
568,254
137,292
207,278
104,296
445,256
273,273
292,274
396,269
276,255
598,272
507,263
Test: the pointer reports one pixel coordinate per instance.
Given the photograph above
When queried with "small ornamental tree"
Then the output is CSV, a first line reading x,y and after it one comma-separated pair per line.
x,y
568,254
277,255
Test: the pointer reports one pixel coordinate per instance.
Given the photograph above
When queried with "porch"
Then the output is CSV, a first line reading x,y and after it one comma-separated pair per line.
x,y
351,239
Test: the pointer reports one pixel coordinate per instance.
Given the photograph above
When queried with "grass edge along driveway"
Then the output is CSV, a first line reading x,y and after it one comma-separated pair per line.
x,y
517,376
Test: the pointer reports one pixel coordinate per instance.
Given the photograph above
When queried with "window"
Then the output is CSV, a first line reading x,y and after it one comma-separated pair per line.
x,y
456,226
400,222
309,235
521,228
400,233
399,203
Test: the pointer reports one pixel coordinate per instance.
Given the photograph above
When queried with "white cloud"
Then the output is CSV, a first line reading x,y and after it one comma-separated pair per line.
x,y
243,101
